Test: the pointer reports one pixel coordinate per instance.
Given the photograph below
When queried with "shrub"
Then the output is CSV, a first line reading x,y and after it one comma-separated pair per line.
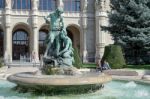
x,y
1,62
77,60
114,56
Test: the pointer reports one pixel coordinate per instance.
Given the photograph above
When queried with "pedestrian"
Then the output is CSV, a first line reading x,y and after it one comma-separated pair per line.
x,y
105,65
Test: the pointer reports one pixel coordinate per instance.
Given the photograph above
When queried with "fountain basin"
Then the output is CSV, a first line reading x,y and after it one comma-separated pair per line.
x,y
60,83
116,89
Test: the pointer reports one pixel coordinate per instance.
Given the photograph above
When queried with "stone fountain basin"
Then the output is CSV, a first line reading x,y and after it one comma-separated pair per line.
x,y
84,79
61,83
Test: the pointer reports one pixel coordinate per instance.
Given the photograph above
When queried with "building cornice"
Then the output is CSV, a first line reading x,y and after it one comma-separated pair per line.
x,y
101,14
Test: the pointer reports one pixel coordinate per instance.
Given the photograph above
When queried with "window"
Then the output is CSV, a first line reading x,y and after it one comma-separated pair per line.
x,y
21,4
2,4
20,45
71,5
47,5
42,37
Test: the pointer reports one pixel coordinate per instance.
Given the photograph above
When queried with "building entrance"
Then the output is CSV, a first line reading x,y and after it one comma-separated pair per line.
x,y
20,45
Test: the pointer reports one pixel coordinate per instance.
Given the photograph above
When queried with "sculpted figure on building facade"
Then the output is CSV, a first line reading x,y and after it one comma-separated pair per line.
x,y
100,4
7,2
57,44
35,3
97,2
84,5
60,3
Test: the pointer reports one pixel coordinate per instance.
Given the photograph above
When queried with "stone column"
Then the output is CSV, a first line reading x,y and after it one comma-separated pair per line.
x,y
35,34
7,34
84,45
101,7
84,29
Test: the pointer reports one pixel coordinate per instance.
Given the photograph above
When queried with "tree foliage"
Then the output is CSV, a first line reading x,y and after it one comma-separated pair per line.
x,y
113,54
1,62
130,24
77,60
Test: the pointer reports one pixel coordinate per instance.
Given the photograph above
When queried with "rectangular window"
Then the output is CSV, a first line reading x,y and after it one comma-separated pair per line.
x,y
77,2
21,4
71,5
18,4
2,4
48,5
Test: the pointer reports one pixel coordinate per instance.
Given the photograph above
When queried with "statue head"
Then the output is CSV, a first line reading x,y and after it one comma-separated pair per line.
x,y
59,10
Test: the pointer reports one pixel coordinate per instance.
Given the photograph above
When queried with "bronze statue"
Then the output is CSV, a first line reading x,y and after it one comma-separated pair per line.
x,y
59,51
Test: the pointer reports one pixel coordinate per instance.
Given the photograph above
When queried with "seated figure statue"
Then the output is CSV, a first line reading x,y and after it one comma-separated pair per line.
x,y
66,52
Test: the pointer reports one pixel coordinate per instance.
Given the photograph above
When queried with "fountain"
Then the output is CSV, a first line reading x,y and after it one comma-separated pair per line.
x,y
113,90
58,75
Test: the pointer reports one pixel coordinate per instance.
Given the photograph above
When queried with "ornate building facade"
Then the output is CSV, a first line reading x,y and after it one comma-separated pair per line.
x,y
23,28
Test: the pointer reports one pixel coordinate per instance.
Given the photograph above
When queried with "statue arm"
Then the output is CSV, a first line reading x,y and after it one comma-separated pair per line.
x,y
47,18
62,22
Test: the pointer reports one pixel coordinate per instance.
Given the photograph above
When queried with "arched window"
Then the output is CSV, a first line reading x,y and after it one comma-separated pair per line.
x,y
71,5
1,43
20,45
2,4
42,37
47,5
21,4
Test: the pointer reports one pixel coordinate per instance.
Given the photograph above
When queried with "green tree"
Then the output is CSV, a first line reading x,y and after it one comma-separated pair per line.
x,y
1,62
77,60
113,54
130,25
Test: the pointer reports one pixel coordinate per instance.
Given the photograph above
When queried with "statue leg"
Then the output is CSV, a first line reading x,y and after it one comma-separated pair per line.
x,y
57,46
46,52
67,54
51,40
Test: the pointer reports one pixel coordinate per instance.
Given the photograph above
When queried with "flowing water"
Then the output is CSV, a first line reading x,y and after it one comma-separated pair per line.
x,y
112,90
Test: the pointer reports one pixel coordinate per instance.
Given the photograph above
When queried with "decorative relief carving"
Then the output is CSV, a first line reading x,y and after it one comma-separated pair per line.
x,y
100,45
101,5
8,3
84,4
35,4
60,4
